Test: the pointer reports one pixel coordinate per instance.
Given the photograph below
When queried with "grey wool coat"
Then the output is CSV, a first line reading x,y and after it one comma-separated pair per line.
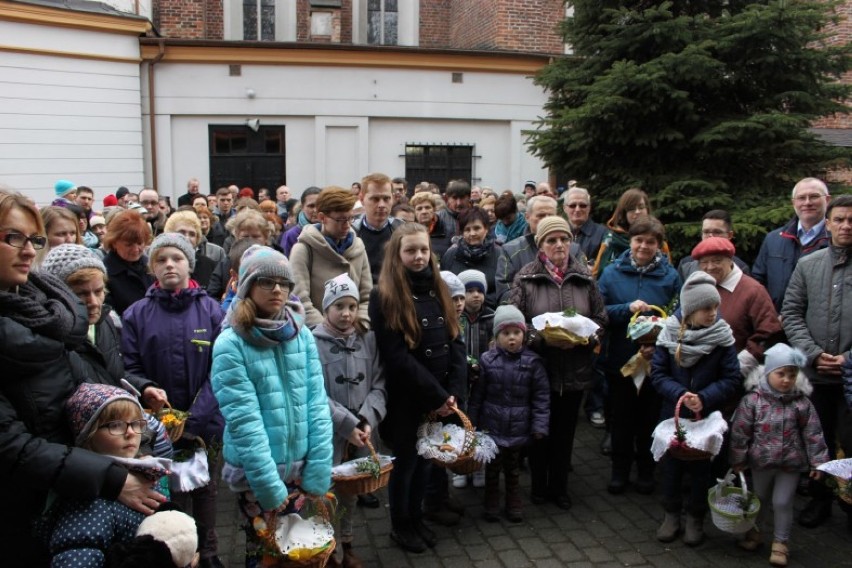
x,y
354,382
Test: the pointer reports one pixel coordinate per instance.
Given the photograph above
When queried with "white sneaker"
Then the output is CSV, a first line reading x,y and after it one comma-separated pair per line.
x,y
597,419
479,478
459,481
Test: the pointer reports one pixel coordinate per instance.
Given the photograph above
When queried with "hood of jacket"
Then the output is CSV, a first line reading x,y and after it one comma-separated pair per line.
x,y
313,238
757,381
175,301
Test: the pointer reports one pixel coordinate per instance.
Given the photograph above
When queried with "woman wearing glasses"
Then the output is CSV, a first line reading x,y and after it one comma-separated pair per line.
x,y
268,379
167,337
127,266
41,322
632,205
326,249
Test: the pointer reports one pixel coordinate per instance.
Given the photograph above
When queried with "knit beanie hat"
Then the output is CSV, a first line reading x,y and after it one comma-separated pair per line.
x,y
86,404
66,259
261,261
121,192
177,241
782,355
177,530
508,315
712,246
341,286
110,201
699,291
549,225
63,187
96,220
474,279
453,283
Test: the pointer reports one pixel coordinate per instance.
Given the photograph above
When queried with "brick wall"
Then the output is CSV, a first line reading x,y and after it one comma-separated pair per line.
x,y
506,25
434,23
840,34
189,19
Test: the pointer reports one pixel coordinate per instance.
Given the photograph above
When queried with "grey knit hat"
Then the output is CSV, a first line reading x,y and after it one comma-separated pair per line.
x,y
782,355
66,259
259,261
453,283
699,291
341,286
508,315
474,278
177,241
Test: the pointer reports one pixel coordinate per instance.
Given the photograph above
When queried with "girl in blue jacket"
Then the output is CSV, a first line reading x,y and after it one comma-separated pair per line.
x,y
268,380
695,359
166,338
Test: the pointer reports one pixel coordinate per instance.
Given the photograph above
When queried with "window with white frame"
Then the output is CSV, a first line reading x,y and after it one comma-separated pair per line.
x,y
382,22
259,20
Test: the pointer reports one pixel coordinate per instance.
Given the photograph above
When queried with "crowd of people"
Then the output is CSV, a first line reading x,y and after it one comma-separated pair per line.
x,y
297,333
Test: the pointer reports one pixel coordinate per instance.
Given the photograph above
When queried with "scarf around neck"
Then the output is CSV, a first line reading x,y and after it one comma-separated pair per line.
x,y
695,343
44,305
556,272
474,253
655,262
270,332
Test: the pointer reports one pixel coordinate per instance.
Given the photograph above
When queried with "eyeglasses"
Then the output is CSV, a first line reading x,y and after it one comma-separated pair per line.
x,y
576,205
271,283
808,197
119,427
343,221
20,240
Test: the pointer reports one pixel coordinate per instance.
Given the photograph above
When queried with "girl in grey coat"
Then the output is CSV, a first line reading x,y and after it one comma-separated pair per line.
x,y
354,382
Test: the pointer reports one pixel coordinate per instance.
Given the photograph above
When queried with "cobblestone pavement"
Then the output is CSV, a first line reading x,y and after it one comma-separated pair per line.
x,y
601,530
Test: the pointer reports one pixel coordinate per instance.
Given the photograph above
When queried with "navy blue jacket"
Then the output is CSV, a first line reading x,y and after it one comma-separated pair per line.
x,y
511,400
778,256
620,285
168,338
715,378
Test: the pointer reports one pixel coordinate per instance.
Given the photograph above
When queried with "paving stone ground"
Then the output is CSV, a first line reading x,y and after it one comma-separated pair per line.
x,y
600,531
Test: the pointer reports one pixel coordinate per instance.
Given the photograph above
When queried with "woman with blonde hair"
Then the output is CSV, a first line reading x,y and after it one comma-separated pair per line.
x,y
425,206
42,322
61,226
418,335
247,224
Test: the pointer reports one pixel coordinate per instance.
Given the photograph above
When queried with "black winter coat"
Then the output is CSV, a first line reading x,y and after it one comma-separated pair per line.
x,y
128,282
511,400
35,457
421,379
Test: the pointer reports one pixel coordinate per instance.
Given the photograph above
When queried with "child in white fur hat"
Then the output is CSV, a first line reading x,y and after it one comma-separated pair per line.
x,y
777,434
355,383
695,359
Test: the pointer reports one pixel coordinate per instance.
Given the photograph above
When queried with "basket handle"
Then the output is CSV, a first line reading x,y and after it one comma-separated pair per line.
x,y
677,412
373,454
651,308
469,436
742,484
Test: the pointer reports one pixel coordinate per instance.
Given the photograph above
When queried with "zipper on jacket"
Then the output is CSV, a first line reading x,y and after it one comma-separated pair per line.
x,y
289,411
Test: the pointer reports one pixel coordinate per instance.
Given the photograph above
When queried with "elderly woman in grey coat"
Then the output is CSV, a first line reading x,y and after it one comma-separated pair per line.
x,y
355,384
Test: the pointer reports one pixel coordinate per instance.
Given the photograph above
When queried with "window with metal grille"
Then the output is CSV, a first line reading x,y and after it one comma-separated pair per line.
x,y
438,164
259,20
382,22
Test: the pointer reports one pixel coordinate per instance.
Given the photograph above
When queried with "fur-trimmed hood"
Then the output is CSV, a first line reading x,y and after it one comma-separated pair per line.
x,y
757,380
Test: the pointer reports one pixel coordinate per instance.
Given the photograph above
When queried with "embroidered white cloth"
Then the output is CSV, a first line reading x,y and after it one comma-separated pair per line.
x,y
350,468
443,442
706,434
293,533
577,324
838,468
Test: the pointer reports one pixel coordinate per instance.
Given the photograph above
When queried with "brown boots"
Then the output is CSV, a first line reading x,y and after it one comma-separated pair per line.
x,y
349,559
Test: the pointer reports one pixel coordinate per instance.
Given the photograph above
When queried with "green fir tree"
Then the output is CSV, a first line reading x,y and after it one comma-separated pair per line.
x,y
702,104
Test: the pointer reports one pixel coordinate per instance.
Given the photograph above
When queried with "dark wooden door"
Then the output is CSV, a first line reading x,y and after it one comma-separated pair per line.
x,y
243,157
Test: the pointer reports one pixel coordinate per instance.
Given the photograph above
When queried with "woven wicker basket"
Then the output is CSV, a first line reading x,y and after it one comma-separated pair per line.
x,y
464,464
732,509
318,561
651,337
680,450
363,482
175,431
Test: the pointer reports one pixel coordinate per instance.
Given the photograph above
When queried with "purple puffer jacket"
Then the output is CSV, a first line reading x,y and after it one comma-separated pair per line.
x,y
168,338
511,400
774,430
